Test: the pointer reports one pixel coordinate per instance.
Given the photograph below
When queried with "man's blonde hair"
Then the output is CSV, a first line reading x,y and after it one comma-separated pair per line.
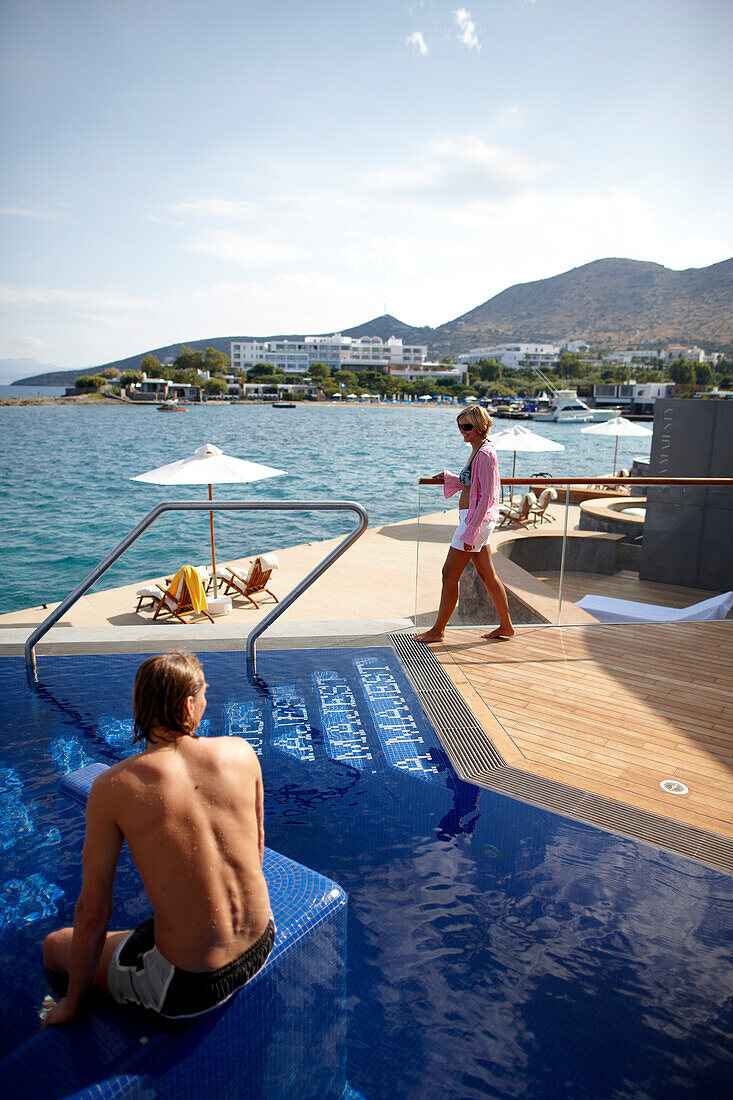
x,y
478,416
162,686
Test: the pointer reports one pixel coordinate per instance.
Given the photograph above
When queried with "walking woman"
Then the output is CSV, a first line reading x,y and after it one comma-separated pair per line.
x,y
478,512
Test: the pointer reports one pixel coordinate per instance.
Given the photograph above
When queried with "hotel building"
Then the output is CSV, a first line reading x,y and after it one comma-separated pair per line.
x,y
336,351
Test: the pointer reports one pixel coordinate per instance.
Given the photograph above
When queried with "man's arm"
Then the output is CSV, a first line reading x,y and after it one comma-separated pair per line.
x,y
102,845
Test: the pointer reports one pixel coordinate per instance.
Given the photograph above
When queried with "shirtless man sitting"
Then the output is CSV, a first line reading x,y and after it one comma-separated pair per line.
x,y
191,811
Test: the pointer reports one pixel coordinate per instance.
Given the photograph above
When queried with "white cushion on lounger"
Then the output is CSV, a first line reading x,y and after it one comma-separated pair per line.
x,y
268,561
153,590
224,573
609,610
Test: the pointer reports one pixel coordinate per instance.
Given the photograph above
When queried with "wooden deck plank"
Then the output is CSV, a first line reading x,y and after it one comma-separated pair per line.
x,y
614,711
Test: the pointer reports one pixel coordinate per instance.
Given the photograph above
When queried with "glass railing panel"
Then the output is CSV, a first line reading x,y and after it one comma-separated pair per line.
x,y
667,555
594,553
526,543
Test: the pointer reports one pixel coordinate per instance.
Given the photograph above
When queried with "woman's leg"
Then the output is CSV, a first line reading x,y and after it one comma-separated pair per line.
x,y
455,563
485,569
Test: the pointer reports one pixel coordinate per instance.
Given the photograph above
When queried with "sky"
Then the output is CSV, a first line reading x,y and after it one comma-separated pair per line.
x,y
174,170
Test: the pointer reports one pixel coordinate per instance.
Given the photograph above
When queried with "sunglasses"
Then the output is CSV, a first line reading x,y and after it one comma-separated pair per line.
x,y
466,427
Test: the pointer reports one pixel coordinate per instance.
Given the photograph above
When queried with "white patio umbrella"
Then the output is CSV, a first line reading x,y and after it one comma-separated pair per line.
x,y
618,426
518,438
208,465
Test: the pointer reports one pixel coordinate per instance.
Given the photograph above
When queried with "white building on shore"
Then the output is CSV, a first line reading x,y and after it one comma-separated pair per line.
x,y
443,371
638,397
544,356
336,351
662,355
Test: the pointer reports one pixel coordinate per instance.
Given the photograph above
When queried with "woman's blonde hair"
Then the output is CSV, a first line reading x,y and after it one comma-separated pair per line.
x,y
162,686
478,416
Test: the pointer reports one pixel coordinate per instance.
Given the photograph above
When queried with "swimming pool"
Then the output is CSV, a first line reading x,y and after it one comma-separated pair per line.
x,y
493,948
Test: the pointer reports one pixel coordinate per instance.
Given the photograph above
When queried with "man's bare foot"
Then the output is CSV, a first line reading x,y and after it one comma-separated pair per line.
x,y
502,634
428,636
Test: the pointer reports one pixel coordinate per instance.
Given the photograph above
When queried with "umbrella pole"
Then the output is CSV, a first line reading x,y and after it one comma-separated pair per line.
x,y
213,554
615,452
511,491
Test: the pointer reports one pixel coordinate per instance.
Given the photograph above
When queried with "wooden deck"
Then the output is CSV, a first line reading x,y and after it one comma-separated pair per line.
x,y
610,710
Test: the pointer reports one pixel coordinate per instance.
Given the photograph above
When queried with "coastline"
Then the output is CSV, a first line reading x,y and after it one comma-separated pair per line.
x,y
78,400
118,401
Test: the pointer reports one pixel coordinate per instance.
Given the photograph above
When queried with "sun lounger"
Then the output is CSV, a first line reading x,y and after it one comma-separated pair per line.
x,y
178,599
253,581
520,515
154,591
609,610
151,592
538,511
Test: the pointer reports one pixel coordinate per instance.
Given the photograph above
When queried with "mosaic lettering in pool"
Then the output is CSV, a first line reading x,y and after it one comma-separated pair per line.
x,y
494,949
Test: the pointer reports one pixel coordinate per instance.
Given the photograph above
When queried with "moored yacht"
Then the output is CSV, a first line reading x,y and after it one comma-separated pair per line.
x,y
565,405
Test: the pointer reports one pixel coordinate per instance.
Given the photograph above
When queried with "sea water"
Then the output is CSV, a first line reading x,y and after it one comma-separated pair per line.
x,y
68,499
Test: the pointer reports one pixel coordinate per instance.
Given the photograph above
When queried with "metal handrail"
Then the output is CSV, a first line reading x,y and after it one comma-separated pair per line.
x,y
601,480
208,506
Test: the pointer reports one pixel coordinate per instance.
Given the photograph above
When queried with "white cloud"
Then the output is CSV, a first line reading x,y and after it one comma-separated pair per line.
x,y
467,27
454,222
95,300
375,253
85,328
213,208
26,212
461,168
417,41
238,248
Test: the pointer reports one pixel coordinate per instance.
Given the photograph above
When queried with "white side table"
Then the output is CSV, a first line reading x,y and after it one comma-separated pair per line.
x,y
222,605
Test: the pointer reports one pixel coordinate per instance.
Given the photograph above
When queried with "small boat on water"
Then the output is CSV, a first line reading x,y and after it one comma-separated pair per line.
x,y
600,416
566,407
171,406
283,404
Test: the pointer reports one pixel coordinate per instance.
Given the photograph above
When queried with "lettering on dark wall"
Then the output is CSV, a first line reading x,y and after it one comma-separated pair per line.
x,y
665,448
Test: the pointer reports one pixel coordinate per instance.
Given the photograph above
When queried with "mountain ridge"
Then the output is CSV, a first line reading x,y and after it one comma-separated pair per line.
x,y
608,302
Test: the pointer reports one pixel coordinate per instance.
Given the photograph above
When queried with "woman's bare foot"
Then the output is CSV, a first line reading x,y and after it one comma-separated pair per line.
x,y
428,636
502,633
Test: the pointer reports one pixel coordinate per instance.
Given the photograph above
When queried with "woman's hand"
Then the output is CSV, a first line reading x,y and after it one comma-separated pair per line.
x,y
439,478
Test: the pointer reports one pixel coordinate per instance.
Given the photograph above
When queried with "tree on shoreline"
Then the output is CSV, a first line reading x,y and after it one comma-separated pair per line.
x,y
148,365
215,386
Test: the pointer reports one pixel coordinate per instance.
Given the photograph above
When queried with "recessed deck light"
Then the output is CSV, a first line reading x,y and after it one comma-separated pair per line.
x,y
673,786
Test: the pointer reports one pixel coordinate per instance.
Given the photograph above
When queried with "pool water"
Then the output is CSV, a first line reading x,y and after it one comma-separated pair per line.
x,y
493,948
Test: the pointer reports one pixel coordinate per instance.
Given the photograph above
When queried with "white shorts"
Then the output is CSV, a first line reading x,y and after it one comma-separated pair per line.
x,y
482,539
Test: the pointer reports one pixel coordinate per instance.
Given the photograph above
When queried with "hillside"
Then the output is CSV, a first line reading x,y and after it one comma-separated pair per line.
x,y
68,377
612,303
609,302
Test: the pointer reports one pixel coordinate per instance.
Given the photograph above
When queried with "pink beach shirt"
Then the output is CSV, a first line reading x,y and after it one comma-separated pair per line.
x,y
484,491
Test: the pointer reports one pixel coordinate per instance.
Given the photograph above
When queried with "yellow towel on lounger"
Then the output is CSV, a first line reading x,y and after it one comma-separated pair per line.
x,y
194,585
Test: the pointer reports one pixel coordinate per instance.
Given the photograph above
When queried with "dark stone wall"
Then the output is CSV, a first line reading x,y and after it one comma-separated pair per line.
x,y
688,532
582,555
